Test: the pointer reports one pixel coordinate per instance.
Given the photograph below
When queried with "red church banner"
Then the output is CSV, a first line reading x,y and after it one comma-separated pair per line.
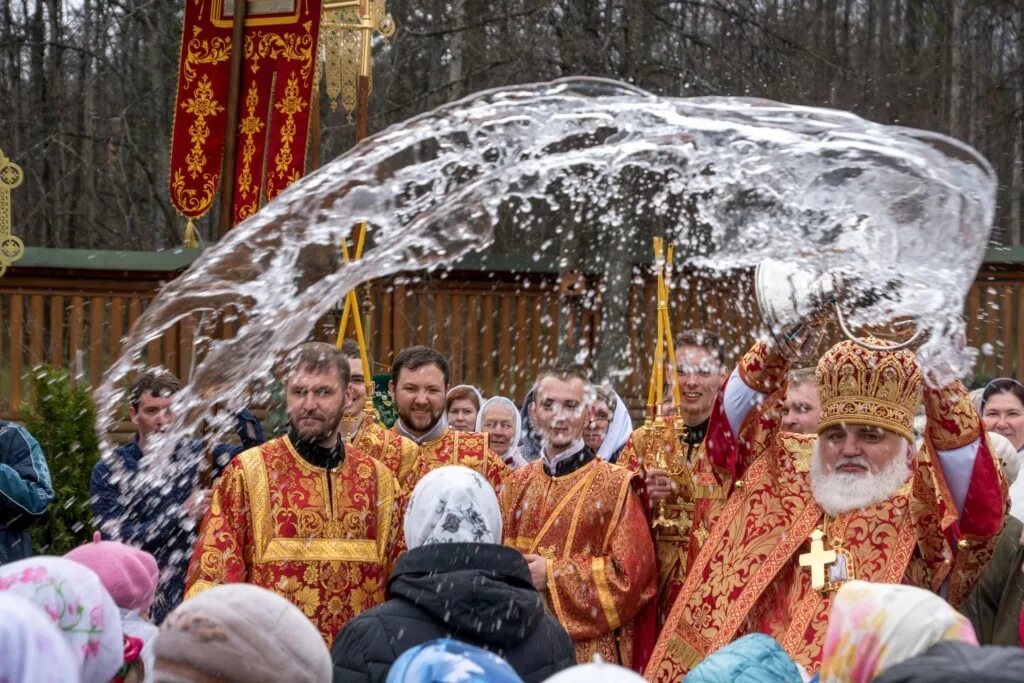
x,y
276,89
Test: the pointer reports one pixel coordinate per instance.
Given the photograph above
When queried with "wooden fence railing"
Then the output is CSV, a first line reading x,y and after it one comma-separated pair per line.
x,y
497,330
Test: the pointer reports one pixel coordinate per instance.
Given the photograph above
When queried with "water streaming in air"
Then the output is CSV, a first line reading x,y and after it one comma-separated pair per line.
x,y
902,215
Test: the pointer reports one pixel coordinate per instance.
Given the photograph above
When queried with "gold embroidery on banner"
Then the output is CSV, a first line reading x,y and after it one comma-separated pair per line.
x,y
200,51
604,593
290,105
201,105
188,199
249,127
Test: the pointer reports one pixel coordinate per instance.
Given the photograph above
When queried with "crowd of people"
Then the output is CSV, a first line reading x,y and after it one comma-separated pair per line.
x,y
842,521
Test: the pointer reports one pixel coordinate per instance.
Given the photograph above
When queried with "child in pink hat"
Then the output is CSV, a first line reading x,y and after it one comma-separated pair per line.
x,y
130,575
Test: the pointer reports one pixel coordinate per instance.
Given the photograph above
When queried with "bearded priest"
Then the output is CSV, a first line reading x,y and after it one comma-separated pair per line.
x,y
419,386
304,515
855,501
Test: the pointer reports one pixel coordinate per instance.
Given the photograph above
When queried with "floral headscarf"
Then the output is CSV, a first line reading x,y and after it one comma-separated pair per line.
x,y
78,604
452,504
32,650
874,626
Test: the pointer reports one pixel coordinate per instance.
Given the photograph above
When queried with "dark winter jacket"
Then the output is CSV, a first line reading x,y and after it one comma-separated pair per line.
x,y
479,593
25,490
957,662
151,515
994,605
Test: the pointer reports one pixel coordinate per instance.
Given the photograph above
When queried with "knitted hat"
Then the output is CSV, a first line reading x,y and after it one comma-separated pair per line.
x,y
130,575
240,633
864,387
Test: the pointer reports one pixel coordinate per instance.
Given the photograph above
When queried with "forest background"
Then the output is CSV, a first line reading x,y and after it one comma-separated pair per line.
x,y
87,86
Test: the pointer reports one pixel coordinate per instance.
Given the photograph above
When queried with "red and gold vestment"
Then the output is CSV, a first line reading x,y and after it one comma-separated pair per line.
x,y
381,443
591,527
748,577
324,539
675,523
452,447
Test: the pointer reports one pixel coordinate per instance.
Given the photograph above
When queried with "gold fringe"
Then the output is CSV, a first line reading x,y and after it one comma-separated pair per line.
x,y
191,236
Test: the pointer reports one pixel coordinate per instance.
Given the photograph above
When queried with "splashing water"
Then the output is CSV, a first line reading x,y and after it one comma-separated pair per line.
x,y
733,181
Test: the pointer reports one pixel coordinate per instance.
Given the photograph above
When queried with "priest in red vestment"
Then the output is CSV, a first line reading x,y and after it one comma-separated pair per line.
x,y
581,525
854,501
362,428
419,385
304,515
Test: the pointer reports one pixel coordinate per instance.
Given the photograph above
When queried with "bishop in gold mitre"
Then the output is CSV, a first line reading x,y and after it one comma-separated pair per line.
x,y
855,501
419,386
361,428
304,515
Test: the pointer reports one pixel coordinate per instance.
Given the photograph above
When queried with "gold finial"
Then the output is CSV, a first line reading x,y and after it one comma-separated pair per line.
x,y
11,246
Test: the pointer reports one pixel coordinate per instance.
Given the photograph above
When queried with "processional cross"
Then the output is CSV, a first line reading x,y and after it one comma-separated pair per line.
x,y
817,559
11,246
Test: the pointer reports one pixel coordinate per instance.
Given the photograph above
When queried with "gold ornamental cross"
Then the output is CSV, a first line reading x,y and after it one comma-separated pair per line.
x,y
817,559
11,247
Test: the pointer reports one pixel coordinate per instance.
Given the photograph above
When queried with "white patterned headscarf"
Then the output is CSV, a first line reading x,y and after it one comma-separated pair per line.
x,y
73,597
32,649
452,504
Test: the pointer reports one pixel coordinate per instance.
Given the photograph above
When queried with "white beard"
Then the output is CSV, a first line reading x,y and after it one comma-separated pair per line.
x,y
839,492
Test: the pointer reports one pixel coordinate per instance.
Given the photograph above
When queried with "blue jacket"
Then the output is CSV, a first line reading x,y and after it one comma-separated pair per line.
x,y
25,490
151,515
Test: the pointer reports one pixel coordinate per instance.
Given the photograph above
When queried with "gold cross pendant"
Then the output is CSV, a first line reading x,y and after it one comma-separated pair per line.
x,y
817,559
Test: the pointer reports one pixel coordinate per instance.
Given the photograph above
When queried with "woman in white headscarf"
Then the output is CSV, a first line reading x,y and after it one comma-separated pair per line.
x,y
499,418
609,427
78,605
456,581
32,649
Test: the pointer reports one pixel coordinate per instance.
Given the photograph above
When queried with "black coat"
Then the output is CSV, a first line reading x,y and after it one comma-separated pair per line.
x,y
478,593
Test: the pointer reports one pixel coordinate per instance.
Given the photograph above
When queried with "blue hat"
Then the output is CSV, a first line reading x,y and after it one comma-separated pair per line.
x,y
754,658
441,660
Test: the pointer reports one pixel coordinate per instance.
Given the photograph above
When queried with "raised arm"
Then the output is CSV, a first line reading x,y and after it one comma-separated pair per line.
x,y
741,424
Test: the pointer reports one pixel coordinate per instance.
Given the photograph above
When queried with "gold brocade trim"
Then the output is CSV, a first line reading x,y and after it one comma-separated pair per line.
x,y
386,493
220,18
249,127
621,498
604,593
571,496
257,485
683,653
320,550
268,548
201,105
556,603
289,105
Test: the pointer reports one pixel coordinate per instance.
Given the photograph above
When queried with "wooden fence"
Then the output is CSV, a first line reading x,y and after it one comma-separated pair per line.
x,y
497,330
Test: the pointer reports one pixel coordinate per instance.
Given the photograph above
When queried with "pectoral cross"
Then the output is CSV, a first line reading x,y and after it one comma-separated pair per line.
x,y
817,559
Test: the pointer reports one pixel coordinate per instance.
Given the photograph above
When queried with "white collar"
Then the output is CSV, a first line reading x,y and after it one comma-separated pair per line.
x,y
435,432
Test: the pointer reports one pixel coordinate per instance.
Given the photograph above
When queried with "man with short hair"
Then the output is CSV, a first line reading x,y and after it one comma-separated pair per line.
x,y
303,515
362,429
801,408
580,524
419,386
130,505
808,512
668,454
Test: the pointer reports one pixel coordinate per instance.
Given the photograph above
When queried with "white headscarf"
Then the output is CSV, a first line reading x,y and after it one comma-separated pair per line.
x,y
619,430
32,649
513,458
77,603
452,504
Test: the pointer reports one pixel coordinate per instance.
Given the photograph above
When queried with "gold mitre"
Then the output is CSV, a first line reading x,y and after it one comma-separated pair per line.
x,y
864,387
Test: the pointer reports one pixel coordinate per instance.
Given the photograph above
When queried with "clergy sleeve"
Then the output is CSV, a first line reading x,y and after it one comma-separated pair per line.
x,y
224,548
742,422
592,595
